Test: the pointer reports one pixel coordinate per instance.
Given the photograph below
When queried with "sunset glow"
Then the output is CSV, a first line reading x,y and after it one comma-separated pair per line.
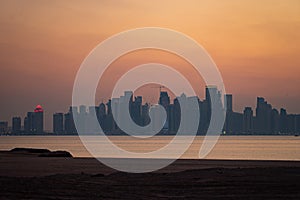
x,y
255,44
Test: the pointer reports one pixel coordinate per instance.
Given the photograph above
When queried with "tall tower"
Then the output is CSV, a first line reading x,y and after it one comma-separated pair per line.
x,y
102,111
34,121
38,119
16,124
69,124
263,116
3,127
58,123
228,100
248,120
136,110
101,115
164,100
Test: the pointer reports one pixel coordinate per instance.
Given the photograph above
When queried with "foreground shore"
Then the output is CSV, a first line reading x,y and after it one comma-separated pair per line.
x,y
27,175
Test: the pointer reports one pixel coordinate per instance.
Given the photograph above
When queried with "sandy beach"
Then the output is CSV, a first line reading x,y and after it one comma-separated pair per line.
x,y
26,175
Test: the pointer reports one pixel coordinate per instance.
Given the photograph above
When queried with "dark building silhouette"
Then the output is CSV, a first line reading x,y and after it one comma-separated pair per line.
x,y
275,121
29,123
204,116
109,122
102,110
101,115
177,115
171,118
82,118
136,110
248,120
91,127
145,114
38,122
236,123
229,114
212,97
58,123
228,100
283,125
34,121
267,120
291,124
69,124
174,116
164,100
263,116
16,125
26,124
3,127
298,124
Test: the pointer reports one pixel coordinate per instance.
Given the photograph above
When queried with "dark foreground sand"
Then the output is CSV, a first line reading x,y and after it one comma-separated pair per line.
x,y
25,175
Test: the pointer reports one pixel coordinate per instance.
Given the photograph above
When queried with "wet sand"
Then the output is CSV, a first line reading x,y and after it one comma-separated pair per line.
x,y
25,175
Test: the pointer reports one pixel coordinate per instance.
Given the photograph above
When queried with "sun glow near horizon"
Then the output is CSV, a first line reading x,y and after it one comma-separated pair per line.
x,y
255,44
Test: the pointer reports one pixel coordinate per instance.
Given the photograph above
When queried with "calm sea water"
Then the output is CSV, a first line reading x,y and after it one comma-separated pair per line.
x,y
227,147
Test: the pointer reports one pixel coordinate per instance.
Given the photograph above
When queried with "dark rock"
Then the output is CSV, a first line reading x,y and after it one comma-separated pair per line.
x,y
30,150
42,152
56,154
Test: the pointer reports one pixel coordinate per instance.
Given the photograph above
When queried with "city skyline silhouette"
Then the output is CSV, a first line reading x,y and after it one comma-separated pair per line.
x,y
263,119
132,99
255,47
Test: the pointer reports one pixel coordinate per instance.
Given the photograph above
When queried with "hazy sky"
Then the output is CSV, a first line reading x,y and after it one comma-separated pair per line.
x,y
255,44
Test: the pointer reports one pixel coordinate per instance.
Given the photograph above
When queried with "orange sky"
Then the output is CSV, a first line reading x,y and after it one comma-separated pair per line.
x,y
255,44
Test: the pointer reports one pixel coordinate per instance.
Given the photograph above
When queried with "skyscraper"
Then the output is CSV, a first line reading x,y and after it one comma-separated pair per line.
x,y
145,114
291,123
101,115
248,120
212,94
263,116
229,114
34,121
26,124
283,121
297,124
3,127
58,123
164,100
29,122
228,100
102,110
16,125
109,122
82,119
38,122
92,122
69,124
171,118
136,110
157,119
275,121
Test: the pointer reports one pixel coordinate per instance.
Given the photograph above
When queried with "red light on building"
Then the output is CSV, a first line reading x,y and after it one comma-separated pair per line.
x,y
38,109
